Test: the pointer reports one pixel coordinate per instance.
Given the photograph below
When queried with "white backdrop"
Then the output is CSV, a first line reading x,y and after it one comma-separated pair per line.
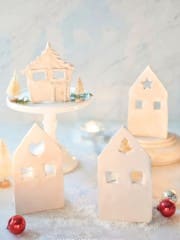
x,y
109,41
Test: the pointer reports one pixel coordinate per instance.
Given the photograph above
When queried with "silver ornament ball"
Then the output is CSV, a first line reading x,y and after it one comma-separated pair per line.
x,y
170,194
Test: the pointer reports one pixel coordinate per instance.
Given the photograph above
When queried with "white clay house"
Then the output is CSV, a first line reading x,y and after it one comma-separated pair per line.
x,y
148,106
124,180
37,171
49,77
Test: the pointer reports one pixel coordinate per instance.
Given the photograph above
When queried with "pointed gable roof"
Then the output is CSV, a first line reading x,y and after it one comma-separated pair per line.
x,y
156,85
36,135
111,153
49,58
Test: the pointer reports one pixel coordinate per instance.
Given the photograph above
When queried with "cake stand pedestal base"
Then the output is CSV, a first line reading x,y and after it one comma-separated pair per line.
x,y
50,126
162,151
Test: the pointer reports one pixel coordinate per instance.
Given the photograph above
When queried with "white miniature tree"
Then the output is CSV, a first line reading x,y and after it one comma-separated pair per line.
x,y
13,89
79,87
5,165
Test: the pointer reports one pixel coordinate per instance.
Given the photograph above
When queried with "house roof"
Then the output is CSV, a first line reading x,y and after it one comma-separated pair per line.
x,y
149,75
49,58
111,154
35,136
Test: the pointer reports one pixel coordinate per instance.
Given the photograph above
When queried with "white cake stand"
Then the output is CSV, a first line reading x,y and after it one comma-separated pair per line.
x,y
49,112
162,151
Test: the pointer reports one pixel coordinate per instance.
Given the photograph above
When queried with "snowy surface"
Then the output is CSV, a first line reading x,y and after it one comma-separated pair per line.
x,y
79,220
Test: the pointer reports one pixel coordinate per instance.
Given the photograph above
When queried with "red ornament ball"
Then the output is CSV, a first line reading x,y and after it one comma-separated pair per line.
x,y
167,208
16,224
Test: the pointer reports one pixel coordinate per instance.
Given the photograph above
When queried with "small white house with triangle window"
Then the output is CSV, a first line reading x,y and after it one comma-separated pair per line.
x,y
148,106
49,77
124,180
37,173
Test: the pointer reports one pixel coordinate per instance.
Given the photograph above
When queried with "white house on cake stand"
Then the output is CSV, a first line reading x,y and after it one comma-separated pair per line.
x,y
50,93
49,77
148,119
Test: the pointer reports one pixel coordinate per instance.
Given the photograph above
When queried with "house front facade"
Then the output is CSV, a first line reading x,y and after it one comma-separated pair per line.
x,y
148,106
49,77
37,172
124,180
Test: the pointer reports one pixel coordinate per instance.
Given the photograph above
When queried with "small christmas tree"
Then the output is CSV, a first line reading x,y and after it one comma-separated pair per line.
x,y
79,87
124,146
5,165
13,89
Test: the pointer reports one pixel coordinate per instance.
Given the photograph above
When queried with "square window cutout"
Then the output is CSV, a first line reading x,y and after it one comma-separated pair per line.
x,y
111,177
39,75
136,177
139,104
27,173
57,74
157,105
50,169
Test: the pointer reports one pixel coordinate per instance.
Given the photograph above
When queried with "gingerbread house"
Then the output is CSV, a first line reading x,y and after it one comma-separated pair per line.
x,y
49,77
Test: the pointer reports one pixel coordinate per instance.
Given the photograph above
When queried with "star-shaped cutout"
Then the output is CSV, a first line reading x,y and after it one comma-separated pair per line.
x,y
124,146
147,84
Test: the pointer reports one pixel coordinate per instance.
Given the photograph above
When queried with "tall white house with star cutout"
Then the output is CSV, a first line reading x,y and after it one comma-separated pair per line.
x,y
148,106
